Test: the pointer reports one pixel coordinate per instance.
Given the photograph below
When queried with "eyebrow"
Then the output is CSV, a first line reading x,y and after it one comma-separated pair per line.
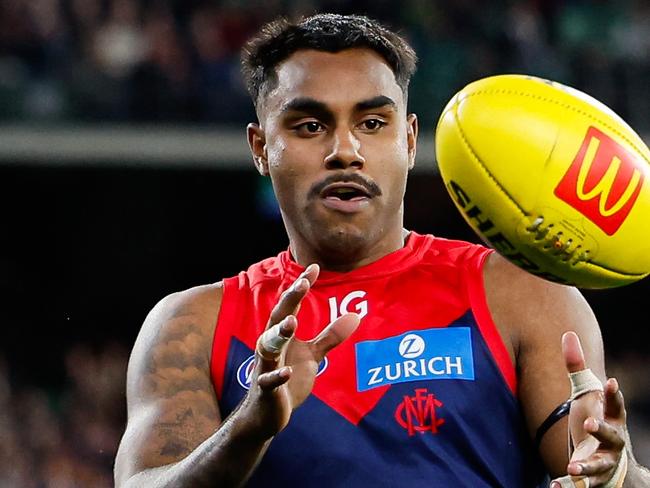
x,y
375,102
310,106
321,110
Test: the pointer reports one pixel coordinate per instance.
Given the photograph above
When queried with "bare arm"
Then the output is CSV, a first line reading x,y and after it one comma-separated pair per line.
x,y
532,316
600,420
174,436
535,313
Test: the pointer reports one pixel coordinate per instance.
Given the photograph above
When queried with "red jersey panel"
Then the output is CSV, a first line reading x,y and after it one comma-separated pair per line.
x,y
425,383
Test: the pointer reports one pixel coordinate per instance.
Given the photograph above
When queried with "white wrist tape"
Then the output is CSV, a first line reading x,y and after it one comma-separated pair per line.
x,y
617,479
583,382
271,342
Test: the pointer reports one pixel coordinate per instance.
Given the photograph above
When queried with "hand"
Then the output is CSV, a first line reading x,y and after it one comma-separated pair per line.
x,y
597,424
285,367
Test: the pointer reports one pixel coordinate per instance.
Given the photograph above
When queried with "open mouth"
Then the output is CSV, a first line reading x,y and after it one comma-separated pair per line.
x,y
348,198
345,192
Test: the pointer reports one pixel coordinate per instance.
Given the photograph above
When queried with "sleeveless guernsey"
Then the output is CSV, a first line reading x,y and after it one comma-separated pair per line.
x,y
422,394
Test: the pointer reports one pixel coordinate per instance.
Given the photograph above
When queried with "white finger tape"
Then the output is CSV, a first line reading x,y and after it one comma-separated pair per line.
x,y
573,481
617,479
583,382
272,341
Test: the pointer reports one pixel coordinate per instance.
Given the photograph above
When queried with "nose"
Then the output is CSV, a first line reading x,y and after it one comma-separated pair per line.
x,y
345,151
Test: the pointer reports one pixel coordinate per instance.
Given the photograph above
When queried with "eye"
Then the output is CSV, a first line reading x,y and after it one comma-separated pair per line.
x,y
372,124
310,127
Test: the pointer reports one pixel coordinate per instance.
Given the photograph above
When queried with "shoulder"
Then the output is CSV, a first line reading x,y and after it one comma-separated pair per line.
x,y
181,325
513,293
199,305
532,312
199,301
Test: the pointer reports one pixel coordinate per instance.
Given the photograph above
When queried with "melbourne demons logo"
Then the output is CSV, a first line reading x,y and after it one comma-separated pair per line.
x,y
418,413
603,182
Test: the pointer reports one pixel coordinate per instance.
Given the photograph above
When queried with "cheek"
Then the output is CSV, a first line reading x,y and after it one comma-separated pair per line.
x,y
276,152
289,155
292,160
391,145
290,169
393,166
393,175
395,187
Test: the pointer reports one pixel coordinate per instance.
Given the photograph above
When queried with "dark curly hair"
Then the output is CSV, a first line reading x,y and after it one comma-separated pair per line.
x,y
278,40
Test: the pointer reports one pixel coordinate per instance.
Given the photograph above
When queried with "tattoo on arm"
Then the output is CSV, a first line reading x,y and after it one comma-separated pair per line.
x,y
176,441
176,375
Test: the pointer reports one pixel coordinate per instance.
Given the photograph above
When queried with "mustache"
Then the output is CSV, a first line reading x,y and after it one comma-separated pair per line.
x,y
371,187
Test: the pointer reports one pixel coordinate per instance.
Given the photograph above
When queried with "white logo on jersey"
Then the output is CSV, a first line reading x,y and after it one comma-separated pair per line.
x,y
245,371
411,346
338,310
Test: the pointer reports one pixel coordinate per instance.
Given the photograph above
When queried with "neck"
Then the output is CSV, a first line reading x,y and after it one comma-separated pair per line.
x,y
347,257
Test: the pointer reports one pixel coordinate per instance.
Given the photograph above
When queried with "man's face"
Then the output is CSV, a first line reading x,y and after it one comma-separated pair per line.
x,y
337,143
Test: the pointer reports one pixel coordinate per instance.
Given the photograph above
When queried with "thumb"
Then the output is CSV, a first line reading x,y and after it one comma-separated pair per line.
x,y
574,358
335,333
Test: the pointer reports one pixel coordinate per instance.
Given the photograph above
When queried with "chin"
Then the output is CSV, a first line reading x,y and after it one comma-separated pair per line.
x,y
342,243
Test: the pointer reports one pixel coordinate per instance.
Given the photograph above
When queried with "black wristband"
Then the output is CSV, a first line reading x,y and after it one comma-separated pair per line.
x,y
562,410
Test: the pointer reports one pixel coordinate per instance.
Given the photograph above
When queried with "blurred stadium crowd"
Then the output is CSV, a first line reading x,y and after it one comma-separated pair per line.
x,y
64,438
176,61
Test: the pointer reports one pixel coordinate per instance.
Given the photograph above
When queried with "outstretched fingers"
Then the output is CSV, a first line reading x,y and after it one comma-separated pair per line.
x,y
570,482
280,329
268,351
607,433
614,403
271,380
597,422
273,341
335,333
574,358
289,301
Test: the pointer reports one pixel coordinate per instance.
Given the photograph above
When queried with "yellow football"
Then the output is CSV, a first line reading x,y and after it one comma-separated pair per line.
x,y
550,177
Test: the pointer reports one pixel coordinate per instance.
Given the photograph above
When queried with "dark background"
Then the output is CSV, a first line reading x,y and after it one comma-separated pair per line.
x,y
88,246
88,252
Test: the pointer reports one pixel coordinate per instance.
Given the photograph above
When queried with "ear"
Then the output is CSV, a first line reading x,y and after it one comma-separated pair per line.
x,y
412,138
257,143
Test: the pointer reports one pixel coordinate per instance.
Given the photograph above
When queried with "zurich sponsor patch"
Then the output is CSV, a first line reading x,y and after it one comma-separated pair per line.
x,y
245,371
432,354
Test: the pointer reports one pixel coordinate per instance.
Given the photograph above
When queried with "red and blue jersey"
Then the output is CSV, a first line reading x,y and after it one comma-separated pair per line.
x,y
422,394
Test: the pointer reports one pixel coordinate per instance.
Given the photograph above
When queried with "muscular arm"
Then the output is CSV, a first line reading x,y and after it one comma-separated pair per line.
x,y
532,315
174,435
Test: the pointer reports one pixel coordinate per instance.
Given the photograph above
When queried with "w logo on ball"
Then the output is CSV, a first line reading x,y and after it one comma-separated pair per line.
x,y
603,182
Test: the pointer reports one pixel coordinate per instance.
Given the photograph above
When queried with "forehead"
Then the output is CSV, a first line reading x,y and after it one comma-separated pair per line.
x,y
337,79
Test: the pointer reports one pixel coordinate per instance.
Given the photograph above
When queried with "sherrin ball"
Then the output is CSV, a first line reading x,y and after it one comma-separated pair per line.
x,y
550,178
